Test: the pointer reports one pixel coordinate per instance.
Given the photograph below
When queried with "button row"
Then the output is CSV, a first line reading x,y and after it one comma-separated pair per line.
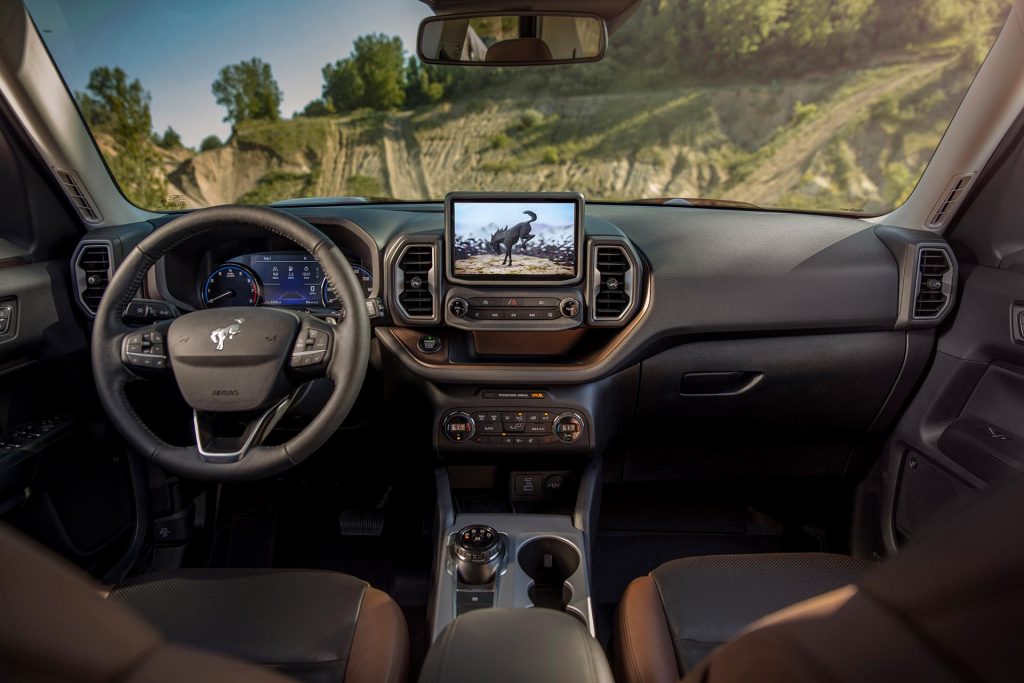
x,y
506,416
149,310
513,428
23,435
513,302
514,314
508,440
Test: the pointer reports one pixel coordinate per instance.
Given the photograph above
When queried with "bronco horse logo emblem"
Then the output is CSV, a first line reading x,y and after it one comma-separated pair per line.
x,y
222,334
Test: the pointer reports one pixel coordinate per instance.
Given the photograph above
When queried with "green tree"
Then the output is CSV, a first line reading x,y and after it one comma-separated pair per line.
x,y
373,75
210,142
248,91
423,86
169,140
114,105
317,107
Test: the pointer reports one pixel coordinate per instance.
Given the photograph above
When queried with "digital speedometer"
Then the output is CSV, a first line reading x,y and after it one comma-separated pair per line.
x,y
230,284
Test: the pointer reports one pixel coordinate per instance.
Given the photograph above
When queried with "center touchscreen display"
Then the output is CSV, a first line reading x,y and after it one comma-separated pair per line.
x,y
514,239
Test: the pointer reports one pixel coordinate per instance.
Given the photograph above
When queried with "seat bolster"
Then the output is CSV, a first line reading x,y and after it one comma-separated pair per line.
x,y
175,663
380,646
643,648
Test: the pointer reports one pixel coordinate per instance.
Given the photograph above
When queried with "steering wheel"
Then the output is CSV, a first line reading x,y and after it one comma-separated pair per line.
x,y
239,368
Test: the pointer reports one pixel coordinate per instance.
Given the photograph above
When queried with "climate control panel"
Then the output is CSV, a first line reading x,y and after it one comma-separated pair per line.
x,y
533,309
513,427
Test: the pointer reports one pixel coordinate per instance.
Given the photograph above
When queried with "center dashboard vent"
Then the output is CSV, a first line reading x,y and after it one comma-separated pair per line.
x,y
934,283
415,280
93,268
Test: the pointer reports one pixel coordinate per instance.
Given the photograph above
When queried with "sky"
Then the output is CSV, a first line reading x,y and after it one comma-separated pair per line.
x,y
472,219
176,48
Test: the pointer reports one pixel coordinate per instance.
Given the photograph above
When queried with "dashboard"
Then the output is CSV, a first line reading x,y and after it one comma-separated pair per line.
x,y
713,321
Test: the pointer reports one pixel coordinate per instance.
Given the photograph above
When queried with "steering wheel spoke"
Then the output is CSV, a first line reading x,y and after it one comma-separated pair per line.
x,y
144,350
227,437
312,350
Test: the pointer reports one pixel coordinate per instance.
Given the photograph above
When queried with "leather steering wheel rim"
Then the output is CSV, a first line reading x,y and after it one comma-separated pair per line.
x,y
346,366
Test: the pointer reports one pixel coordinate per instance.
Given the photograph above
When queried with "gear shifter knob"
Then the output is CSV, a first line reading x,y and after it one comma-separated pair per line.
x,y
477,553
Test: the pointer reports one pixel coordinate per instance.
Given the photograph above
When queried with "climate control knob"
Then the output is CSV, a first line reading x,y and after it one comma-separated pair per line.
x,y
458,306
567,427
459,427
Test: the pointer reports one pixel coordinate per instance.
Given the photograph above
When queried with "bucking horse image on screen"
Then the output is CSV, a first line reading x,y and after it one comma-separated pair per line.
x,y
509,237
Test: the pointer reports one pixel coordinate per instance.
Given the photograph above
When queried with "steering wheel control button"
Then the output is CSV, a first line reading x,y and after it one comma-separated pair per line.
x,y
146,350
459,427
569,308
310,348
458,307
428,343
568,427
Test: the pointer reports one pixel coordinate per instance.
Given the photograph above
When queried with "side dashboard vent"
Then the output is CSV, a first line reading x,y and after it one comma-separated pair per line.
x,y
951,199
934,283
93,266
75,189
614,276
414,277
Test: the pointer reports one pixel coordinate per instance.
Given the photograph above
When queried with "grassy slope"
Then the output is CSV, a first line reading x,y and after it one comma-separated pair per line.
x,y
857,140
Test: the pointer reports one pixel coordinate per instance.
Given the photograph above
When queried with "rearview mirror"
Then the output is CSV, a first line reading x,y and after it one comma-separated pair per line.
x,y
515,39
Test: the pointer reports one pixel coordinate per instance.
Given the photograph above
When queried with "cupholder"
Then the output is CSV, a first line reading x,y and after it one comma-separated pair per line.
x,y
549,561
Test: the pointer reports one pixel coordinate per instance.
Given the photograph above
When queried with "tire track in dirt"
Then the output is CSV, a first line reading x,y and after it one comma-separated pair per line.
x,y
782,169
403,161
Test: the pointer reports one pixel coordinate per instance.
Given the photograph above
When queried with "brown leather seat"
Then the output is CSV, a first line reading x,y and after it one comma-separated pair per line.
x,y
195,625
950,607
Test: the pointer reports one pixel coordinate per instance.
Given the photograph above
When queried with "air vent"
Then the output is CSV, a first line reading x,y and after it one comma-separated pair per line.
x,y
954,194
415,281
78,195
934,281
613,289
93,269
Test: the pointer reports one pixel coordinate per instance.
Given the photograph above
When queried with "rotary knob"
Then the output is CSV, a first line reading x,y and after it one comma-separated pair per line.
x,y
459,427
570,307
567,427
458,307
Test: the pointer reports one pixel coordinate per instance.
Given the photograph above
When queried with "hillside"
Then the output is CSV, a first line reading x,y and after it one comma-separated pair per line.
x,y
857,140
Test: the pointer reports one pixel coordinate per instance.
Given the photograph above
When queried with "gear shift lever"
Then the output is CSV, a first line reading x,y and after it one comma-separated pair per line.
x,y
477,553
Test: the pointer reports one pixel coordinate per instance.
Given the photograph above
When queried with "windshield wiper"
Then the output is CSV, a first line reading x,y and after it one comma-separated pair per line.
x,y
327,201
695,201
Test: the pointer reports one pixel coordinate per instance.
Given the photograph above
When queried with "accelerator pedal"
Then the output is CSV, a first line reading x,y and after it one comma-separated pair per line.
x,y
364,522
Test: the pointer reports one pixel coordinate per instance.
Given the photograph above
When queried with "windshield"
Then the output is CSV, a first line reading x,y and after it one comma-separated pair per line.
x,y
826,105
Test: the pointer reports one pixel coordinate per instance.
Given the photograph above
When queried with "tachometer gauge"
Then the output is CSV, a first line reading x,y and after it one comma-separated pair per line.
x,y
330,297
231,284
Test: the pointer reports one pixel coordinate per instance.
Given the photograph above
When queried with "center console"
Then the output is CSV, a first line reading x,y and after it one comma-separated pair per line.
x,y
511,560
515,287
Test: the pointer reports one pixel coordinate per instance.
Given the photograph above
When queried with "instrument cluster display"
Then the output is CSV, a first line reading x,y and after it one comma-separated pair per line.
x,y
275,279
